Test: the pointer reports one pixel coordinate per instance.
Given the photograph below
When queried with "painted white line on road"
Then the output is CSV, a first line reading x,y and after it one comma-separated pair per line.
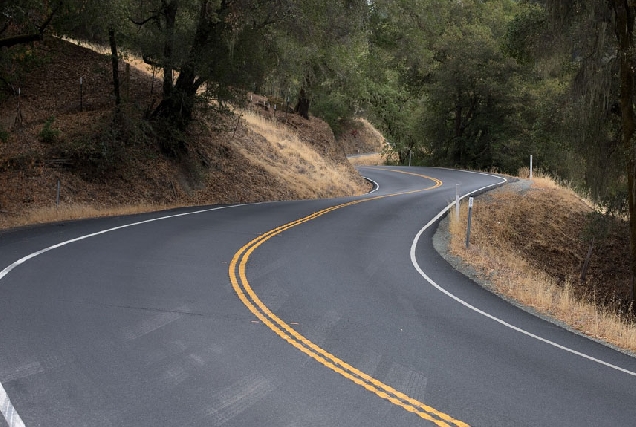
x,y
376,186
490,316
9,412
6,407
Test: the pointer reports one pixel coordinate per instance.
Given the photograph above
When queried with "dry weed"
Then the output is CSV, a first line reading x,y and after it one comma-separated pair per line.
x,y
367,160
304,170
67,212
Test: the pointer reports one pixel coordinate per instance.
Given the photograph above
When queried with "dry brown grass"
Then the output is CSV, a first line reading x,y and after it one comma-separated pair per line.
x,y
368,160
359,137
134,60
530,267
223,164
295,163
65,212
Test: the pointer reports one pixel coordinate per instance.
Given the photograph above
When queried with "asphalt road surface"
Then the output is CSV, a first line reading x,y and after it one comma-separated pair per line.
x,y
305,313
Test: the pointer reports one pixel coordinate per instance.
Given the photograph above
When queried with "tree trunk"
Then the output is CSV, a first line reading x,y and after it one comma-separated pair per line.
x,y
170,13
179,99
586,262
624,13
115,64
302,107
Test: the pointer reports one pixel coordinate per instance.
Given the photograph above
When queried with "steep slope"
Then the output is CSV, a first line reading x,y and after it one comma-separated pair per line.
x,y
105,161
530,241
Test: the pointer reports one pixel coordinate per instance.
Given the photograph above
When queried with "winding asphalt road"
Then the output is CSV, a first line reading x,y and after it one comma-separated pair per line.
x,y
311,313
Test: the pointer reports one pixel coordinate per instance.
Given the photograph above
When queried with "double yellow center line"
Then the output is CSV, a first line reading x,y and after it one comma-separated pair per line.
x,y
238,278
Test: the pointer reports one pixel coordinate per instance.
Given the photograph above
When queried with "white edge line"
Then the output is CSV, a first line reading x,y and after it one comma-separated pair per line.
x,y
490,316
376,186
6,407
10,414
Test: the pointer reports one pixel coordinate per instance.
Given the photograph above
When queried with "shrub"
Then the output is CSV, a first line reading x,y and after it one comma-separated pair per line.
x,y
48,134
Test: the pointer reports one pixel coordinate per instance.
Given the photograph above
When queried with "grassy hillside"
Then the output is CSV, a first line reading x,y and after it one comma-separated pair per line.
x,y
113,163
530,241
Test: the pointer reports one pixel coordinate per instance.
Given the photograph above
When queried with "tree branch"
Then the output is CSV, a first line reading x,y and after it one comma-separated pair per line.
x,y
20,39
28,38
145,21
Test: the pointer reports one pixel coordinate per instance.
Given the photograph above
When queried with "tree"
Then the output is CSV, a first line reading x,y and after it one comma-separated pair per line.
x,y
398,68
474,101
25,21
445,65
212,45
319,47
604,81
624,15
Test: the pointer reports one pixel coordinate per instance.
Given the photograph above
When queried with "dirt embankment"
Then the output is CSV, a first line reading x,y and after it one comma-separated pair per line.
x,y
530,243
59,131
360,137
552,229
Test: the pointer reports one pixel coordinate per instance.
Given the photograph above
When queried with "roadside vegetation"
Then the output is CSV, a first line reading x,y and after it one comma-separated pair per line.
x,y
542,245
111,162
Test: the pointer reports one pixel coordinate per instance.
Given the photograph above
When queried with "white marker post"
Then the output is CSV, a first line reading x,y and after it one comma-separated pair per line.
x,y
470,214
457,202
530,166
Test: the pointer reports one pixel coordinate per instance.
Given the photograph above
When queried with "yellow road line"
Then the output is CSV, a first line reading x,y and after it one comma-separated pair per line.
x,y
247,296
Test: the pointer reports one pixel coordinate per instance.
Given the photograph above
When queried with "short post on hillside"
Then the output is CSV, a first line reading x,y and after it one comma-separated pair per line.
x,y
470,214
81,94
57,197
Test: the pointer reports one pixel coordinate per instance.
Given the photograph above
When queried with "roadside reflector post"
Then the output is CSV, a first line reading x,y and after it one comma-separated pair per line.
x,y
530,166
457,202
470,214
57,198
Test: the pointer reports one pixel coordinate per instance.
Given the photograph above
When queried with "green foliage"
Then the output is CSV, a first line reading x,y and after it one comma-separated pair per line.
x,y
319,47
524,33
48,134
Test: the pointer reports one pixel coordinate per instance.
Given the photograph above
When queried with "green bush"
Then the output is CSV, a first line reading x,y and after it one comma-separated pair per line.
x,y
48,134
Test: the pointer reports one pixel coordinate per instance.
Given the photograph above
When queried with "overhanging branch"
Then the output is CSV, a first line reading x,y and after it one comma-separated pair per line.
x,y
20,39
29,38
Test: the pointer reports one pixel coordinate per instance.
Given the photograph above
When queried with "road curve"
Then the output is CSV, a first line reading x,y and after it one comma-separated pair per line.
x,y
312,313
